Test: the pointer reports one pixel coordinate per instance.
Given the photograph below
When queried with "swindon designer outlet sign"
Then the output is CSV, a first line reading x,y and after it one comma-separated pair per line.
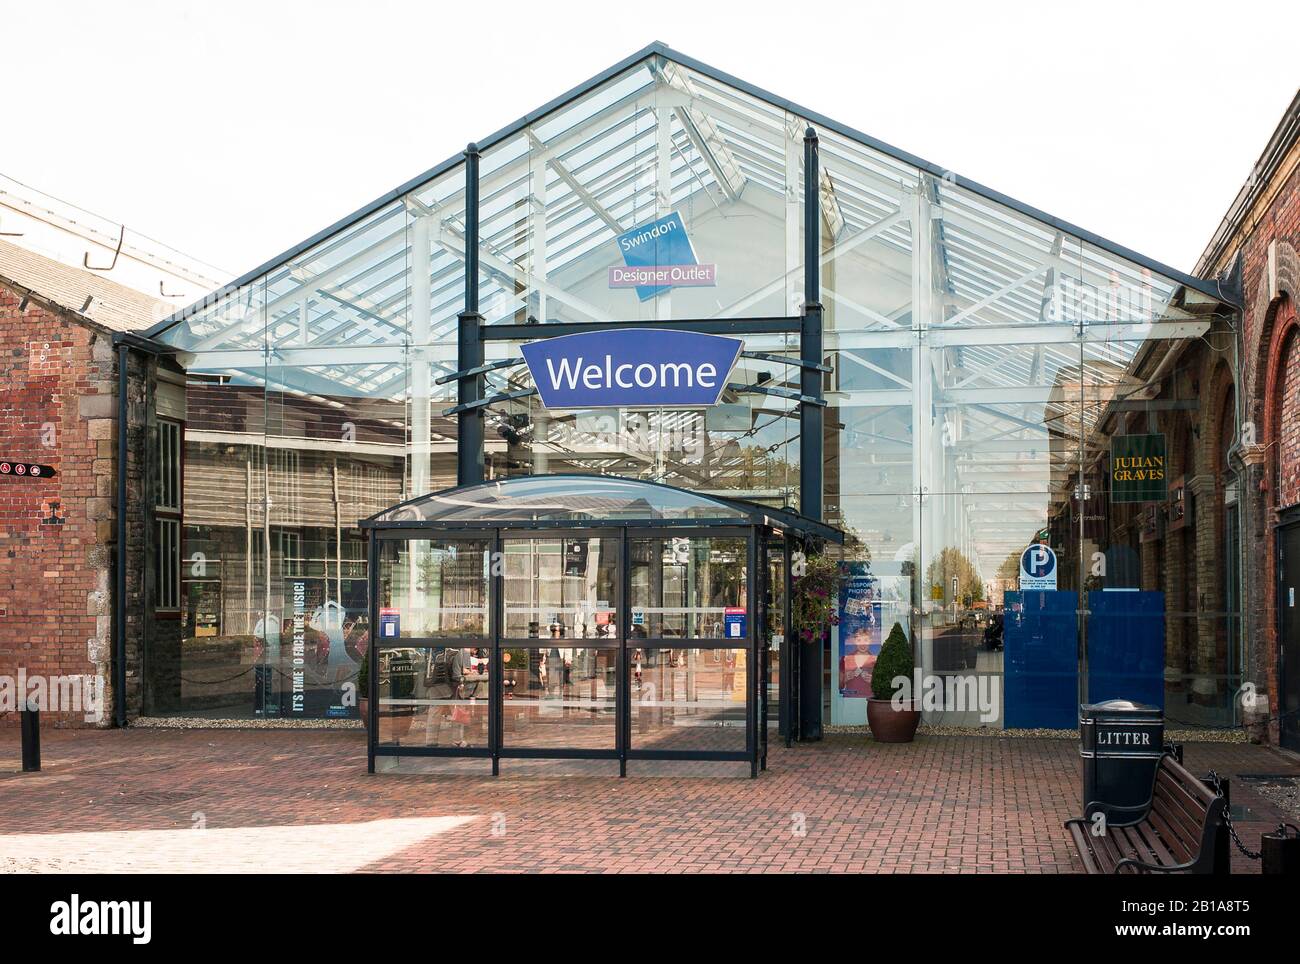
x,y
631,367
658,256
1138,468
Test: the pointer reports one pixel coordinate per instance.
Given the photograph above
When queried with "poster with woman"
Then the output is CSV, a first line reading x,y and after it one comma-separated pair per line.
x,y
859,630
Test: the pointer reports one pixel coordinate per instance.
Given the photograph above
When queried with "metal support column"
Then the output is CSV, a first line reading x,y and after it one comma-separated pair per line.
x,y
469,341
810,341
811,420
372,651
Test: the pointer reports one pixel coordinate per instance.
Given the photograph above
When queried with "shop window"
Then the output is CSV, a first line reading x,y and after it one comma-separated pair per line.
x,y
167,556
169,467
167,510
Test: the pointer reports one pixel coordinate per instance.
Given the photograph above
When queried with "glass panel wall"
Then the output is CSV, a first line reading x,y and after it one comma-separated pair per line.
x,y
686,587
559,697
560,588
689,699
991,372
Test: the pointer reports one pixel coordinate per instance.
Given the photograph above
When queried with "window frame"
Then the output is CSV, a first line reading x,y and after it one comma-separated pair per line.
x,y
169,474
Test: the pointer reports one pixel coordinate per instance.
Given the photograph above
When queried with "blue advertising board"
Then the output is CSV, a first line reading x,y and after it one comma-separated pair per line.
x,y
658,256
625,367
858,630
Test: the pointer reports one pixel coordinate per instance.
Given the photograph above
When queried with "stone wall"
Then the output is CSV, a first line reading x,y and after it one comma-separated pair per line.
x,y
58,402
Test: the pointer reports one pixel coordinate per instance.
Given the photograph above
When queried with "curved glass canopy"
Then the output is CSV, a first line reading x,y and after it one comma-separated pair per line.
x,y
531,500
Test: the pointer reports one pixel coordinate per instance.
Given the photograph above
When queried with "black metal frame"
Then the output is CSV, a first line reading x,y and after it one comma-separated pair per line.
x,y
758,538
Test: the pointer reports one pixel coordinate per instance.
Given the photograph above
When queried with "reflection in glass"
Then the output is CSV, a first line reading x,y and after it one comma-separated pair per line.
x,y
559,697
688,699
434,696
683,587
434,588
560,588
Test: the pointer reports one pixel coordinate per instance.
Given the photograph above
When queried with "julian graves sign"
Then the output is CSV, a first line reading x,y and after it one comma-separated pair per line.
x,y
631,367
1137,468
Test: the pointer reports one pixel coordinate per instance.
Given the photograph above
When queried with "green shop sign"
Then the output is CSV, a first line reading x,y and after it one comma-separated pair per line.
x,y
1138,468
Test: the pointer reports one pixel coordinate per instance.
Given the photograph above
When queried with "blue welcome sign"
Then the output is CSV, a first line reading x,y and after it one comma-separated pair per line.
x,y
658,256
631,367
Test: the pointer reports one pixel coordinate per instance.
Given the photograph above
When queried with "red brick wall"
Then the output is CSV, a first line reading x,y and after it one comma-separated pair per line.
x,y
1270,384
57,401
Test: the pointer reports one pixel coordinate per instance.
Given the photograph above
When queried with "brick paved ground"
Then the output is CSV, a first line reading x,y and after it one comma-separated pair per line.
x,y
301,800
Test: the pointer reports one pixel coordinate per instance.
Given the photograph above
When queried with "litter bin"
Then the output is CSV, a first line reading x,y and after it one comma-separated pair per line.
x,y
1121,743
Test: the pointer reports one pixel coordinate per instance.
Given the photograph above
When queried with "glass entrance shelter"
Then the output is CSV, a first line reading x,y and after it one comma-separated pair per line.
x,y
572,617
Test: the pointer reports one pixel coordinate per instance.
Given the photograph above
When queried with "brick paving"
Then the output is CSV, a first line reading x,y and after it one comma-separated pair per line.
x,y
301,800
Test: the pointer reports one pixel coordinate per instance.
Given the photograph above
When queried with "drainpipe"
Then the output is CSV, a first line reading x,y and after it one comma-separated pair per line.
x,y
119,597
1245,525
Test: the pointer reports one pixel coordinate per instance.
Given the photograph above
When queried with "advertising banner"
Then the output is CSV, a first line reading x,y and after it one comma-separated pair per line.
x,y
859,631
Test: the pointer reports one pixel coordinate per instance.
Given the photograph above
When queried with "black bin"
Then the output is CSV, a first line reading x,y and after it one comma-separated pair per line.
x,y
1121,743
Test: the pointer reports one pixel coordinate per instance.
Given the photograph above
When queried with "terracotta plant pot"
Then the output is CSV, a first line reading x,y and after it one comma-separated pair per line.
x,y
889,725
363,708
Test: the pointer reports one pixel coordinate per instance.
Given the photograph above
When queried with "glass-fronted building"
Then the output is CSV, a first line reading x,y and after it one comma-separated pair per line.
x,y
1024,437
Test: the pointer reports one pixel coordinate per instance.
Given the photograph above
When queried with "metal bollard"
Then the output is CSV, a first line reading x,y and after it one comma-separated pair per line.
x,y
1280,850
30,719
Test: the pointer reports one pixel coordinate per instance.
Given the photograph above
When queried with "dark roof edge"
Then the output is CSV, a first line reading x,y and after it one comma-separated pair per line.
x,y
1279,144
657,47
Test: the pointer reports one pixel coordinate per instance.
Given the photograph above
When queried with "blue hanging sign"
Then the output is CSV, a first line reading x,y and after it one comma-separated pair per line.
x,y
390,623
658,256
630,367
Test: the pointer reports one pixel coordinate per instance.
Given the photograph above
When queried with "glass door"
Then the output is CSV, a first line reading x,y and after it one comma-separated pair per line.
x,y
559,650
433,637
692,674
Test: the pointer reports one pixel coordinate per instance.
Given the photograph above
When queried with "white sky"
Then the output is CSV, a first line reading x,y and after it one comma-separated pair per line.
x,y
233,130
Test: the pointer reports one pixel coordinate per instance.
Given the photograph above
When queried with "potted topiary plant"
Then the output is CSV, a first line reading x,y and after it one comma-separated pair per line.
x,y
893,721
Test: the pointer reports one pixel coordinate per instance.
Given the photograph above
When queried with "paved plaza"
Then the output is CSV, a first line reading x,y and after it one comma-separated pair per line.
x,y
152,800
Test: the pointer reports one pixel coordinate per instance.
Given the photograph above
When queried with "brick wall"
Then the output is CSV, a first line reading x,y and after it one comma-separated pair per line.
x,y
1271,383
57,402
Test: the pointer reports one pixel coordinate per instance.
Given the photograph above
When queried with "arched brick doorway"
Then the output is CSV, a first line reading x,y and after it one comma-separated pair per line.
x,y
1283,437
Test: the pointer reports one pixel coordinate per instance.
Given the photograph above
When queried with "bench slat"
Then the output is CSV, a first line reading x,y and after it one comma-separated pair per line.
x,y
1082,844
1185,827
1181,845
1176,791
1154,844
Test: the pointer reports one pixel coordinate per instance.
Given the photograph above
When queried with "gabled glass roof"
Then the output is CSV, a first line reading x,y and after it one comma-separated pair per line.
x,y
660,131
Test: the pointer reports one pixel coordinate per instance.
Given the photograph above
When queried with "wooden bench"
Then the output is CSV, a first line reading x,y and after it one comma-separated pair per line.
x,y
1181,829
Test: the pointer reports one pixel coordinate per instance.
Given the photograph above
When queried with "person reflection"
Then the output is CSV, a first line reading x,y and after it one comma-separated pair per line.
x,y
444,681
